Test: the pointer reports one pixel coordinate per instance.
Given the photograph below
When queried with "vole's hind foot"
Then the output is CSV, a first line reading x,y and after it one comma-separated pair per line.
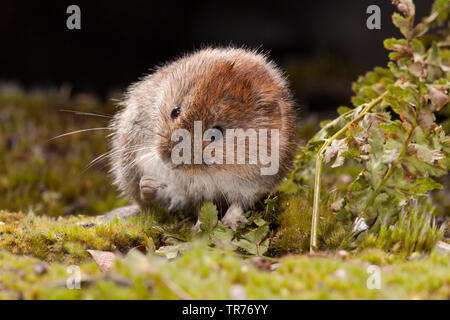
x,y
149,186
234,214
122,212
196,227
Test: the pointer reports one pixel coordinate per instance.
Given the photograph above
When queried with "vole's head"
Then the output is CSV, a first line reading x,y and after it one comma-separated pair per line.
x,y
197,102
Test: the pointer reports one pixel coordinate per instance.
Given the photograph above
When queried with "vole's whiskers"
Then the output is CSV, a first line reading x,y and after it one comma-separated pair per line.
x,y
87,113
127,151
160,135
136,161
78,131
150,129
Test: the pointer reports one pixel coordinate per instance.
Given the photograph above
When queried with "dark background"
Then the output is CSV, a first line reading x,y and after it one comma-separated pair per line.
x,y
322,45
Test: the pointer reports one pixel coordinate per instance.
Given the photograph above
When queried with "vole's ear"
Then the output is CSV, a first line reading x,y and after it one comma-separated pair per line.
x,y
225,67
229,65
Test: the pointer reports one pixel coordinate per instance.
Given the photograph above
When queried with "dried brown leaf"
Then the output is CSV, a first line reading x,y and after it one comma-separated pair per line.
x,y
104,259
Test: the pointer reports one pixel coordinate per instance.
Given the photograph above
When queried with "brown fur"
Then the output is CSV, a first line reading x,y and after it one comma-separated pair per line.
x,y
230,88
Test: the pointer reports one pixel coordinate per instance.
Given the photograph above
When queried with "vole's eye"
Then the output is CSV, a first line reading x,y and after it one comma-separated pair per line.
x,y
175,112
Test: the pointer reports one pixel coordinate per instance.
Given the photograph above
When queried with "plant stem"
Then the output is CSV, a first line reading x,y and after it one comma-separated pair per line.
x,y
318,172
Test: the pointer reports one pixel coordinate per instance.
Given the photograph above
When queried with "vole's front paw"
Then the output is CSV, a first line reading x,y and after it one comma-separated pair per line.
x,y
234,215
149,186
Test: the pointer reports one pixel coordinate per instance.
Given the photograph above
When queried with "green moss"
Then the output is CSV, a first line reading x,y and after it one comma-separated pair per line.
x,y
209,274
50,176
67,239
413,232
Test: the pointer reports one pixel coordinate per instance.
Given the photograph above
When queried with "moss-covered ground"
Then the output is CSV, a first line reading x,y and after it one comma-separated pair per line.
x,y
49,201
36,254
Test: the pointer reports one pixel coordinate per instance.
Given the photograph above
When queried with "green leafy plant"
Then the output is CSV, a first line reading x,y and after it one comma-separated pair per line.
x,y
392,133
251,239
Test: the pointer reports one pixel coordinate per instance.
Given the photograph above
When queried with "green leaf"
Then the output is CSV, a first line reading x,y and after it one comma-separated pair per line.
x,y
406,7
426,184
337,148
417,69
441,8
425,154
438,97
324,123
171,252
343,109
259,221
222,237
404,24
418,49
331,128
398,45
253,242
208,217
